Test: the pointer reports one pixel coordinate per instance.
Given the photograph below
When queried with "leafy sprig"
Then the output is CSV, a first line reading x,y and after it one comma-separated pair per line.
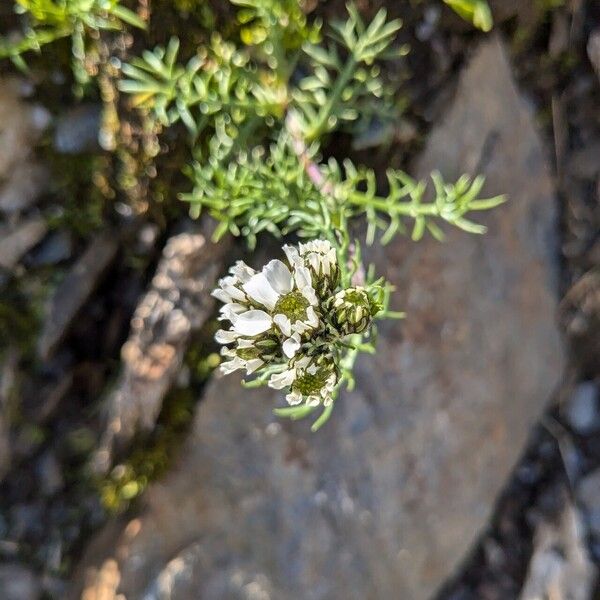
x,y
345,78
275,193
49,20
216,90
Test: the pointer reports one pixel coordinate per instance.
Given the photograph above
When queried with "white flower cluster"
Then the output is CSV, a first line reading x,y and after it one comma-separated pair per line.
x,y
290,316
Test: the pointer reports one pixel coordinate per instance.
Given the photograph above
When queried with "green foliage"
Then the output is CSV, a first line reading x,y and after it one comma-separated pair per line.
x,y
226,91
476,11
342,86
277,29
275,193
217,90
50,20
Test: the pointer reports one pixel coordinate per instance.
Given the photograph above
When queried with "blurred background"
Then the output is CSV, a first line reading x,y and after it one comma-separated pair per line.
x,y
465,465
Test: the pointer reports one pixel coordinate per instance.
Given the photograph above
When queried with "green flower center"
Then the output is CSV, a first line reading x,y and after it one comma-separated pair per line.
x,y
358,297
293,306
307,384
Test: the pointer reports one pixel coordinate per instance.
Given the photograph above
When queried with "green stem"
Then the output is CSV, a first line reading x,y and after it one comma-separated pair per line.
x,y
320,126
389,207
26,44
323,418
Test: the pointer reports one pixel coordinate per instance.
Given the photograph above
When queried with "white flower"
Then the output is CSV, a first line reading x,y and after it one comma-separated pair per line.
x,y
308,382
289,300
242,271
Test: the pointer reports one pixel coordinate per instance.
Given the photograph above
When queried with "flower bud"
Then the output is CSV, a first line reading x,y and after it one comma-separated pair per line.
x,y
352,310
320,258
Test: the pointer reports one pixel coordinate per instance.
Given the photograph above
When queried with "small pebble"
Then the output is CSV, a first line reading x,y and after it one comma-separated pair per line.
x,y
582,412
18,583
77,130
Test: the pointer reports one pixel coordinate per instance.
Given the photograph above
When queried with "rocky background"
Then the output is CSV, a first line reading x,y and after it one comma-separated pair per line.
x,y
466,463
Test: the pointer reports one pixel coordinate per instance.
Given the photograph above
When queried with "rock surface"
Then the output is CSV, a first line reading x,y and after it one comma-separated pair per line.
x,y
177,304
387,499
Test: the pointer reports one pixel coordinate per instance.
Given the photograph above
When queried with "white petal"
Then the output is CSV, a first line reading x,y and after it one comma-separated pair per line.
x,y
279,276
231,310
234,307
294,398
302,277
252,322
291,346
283,323
314,261
280,380
232,365
312,318
234,292
221,295
310,295
260,290
253,364
225,337
242,271
292,255
300,328
313,401
303,362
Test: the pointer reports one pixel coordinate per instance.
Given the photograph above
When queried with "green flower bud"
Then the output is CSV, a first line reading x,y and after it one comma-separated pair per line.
x,y
351,310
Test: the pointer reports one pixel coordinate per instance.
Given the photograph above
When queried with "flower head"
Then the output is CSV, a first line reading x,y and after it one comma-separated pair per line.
x,y
310,380
290,321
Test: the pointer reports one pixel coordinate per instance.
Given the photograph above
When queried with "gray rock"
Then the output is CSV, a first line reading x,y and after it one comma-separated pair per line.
x,y
57,247
387,499
22,178
26,183
18,583
75,289
588,494
17,241
77,130
582,411
50,474
593,50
